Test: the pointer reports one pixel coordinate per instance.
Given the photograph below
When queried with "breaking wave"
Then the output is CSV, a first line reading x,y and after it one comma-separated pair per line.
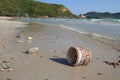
x,y
93,35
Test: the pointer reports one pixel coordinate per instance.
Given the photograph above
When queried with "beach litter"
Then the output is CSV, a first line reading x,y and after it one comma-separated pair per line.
x,y
32,50
78,56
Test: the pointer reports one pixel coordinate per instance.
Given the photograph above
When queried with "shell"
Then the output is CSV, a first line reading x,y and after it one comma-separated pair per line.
x,y
29,38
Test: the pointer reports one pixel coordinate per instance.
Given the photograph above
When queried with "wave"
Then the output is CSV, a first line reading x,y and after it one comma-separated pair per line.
x,y
92,35
85,26
106,21
72,29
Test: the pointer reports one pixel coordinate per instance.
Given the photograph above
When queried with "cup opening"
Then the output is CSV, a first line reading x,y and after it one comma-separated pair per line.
x,y
72,56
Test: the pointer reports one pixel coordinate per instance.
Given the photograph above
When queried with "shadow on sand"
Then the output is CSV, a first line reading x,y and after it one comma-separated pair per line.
x,y
60,60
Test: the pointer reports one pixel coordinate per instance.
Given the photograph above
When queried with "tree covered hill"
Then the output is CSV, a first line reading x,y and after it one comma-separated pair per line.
x,y
33,9
102,15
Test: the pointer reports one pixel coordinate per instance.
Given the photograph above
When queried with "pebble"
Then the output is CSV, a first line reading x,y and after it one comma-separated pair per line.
x,y
29,38
5,61
18,36
99,73
83,77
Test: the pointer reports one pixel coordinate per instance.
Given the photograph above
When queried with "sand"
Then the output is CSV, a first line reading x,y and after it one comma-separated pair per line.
x,y
50,63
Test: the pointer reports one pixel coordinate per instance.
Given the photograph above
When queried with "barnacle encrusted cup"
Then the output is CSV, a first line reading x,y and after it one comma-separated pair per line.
x,y
78,56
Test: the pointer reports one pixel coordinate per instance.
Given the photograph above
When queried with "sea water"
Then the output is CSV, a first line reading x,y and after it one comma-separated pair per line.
x,y
95,28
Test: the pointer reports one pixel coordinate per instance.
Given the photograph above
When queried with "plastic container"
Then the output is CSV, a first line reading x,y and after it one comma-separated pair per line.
x,y
78,56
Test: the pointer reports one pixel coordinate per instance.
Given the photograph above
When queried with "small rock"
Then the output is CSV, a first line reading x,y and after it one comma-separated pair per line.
x,y
106,62
83,77
99,73
5,61
18,36
12,58
119,61
113,63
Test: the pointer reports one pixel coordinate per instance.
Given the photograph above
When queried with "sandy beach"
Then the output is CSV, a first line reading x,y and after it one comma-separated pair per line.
x,y
50,63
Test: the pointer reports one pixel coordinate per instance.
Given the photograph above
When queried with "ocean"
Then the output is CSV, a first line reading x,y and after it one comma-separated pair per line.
x,y
96,28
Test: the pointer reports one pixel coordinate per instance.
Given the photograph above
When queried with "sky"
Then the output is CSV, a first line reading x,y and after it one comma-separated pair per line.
x,y
83,6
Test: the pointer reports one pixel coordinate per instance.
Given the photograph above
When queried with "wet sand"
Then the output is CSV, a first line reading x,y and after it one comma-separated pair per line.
x,y
50,63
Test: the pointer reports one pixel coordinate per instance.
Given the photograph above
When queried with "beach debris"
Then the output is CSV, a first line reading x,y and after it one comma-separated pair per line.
x,y
78,56
32,50
114,64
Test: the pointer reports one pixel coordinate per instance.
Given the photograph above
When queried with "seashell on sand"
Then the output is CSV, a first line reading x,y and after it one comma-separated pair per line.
x,y
29,38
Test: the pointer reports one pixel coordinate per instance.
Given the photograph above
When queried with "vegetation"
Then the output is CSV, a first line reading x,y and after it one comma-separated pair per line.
x,y
32,8
102,15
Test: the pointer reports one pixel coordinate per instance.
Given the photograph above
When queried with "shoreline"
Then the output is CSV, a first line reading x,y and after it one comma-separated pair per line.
x,y
50,63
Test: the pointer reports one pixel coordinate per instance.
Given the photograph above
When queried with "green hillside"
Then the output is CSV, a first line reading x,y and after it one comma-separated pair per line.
x,y
100,15
32,8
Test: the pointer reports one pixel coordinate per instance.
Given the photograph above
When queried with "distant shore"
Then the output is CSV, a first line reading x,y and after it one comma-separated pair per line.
x,y
50,63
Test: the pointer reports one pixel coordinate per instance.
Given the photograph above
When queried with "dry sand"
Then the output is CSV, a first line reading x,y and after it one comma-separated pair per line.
x,y
50,63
